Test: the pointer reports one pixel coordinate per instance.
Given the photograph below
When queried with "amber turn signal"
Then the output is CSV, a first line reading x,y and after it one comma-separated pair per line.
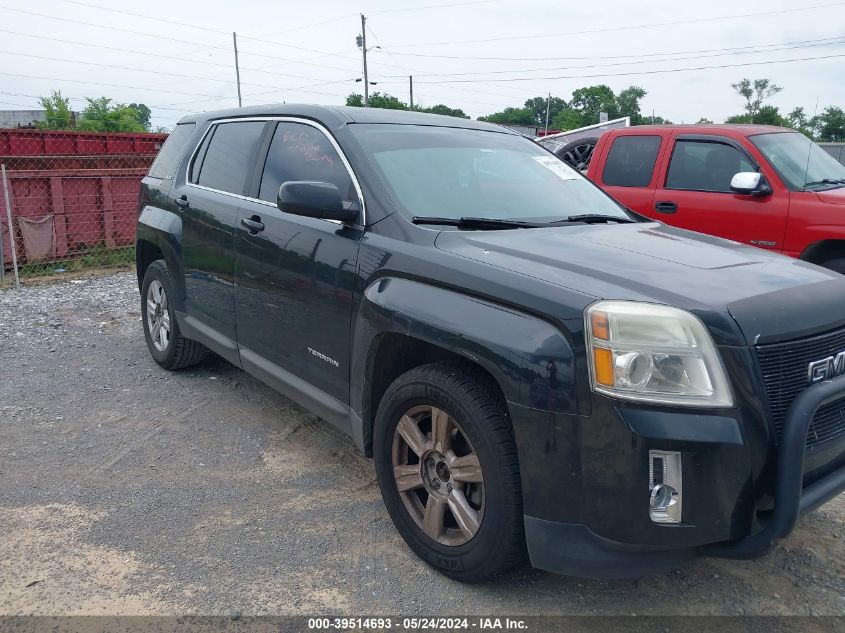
x,y
603,366
599,325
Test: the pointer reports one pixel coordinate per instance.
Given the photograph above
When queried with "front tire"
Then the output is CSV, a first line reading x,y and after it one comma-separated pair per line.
x,y
167,346
836,264
448,471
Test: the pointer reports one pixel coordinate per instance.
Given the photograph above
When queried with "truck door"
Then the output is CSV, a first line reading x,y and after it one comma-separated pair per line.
x,y
208,201
295,275
628,173
695,193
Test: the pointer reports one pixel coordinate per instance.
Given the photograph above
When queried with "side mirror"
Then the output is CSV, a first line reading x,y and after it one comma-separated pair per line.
x,y
314,199
750,183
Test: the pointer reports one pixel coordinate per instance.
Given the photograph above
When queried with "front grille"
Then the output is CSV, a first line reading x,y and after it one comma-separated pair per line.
x,y
785,372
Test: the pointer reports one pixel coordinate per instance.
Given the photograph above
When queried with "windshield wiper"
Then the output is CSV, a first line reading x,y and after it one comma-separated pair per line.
x,y
476,223
501,223
825,181
592,218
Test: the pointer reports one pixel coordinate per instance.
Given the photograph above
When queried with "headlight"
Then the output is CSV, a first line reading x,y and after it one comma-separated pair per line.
x,y
654,353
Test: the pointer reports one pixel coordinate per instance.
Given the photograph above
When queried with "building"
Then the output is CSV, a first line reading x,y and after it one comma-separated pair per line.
x,y
837,150
27,118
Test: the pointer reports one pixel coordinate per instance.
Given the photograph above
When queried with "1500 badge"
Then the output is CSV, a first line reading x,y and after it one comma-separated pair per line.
x,y
827,368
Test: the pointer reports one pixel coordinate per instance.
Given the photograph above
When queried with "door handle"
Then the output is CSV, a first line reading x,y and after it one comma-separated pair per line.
x,y
182,202
666,207
254,224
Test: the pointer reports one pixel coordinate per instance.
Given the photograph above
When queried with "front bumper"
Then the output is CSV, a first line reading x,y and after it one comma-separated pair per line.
x,y
619,540
792,498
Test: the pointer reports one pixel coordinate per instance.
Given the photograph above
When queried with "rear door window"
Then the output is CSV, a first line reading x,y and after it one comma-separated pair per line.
x,y
168,156
230,156
705,166
631,160
302,152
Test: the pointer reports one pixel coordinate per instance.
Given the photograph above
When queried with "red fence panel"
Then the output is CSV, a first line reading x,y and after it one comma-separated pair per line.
x,y
76,190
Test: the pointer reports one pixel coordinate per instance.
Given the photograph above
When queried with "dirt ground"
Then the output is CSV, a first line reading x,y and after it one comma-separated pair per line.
x,y
130,490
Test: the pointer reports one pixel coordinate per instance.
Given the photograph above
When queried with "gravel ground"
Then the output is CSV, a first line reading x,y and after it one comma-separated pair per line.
x,y
130,490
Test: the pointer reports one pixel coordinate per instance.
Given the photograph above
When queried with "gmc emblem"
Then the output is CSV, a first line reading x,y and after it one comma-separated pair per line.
x,y
826,369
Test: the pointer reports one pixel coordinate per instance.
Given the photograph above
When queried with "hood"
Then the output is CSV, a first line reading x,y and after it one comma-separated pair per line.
x,y
662,264
832,196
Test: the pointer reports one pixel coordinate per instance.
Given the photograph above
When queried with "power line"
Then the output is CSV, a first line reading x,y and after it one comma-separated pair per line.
x,y
146,17
189,42
435,6
628,56
627,74
106,85
415,71
159,55
626,27
157,72
628,63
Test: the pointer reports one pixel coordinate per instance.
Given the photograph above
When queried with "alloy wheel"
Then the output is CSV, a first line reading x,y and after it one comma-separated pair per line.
x,y
579,156
438,475
158,318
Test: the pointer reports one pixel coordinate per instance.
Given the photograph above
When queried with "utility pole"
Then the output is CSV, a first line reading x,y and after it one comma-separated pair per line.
x,y
237,67
411,83
548,105
364,51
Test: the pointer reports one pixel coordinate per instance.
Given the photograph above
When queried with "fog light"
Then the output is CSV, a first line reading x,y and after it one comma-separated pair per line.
x,y
665,486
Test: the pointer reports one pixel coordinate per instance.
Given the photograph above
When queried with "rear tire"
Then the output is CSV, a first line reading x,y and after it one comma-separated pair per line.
x,y
460,460
167,346
578,154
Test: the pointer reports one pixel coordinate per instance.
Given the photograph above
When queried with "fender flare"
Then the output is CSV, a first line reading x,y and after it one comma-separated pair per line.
x,y
819,251
164,229
533,361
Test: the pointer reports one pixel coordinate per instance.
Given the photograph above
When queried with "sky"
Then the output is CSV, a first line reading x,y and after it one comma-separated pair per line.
x,y
478,55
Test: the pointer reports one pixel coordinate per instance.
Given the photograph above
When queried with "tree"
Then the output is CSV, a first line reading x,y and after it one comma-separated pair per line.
x,y
767,115
143,114
58,115
586,104
377,100
704,121
537,105
511,116
446,110
755,93
628,103
591,100
798,120
830,124
101,116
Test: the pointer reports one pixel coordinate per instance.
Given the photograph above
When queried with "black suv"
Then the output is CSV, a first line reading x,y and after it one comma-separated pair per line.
x,y
531,365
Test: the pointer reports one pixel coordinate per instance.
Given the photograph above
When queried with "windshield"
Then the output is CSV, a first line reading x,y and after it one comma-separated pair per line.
x,y
455,173
799,162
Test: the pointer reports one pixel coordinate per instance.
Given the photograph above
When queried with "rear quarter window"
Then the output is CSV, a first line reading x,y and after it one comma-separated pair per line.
x,y
630,162
168,156
231,153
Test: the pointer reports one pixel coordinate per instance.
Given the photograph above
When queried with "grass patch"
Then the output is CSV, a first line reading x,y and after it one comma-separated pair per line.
x,y
99,256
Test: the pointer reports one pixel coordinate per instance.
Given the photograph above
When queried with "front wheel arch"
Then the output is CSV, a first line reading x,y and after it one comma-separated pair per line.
x,y
392,354
825,253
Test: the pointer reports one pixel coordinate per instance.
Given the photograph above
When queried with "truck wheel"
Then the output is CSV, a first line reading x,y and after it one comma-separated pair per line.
x,y
167,346
837,264
577,154
448,470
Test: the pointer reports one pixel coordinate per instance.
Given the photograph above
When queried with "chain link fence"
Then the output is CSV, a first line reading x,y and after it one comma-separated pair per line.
x,y
72,197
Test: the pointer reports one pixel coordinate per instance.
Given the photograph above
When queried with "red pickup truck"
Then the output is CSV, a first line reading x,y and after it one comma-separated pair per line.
x,y
762,185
